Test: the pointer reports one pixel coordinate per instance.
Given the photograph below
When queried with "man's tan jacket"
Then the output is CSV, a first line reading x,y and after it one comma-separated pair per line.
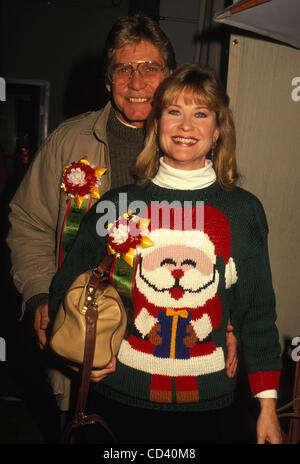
x,y
38,208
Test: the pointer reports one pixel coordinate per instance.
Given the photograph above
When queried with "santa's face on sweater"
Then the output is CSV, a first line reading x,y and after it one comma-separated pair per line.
x,y
177,276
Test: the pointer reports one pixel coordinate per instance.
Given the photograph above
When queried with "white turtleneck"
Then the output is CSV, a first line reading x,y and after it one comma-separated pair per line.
x,y
170,178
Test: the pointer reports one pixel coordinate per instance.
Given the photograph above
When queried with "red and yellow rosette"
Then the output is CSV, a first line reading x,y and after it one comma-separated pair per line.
x,y
80,180
126,235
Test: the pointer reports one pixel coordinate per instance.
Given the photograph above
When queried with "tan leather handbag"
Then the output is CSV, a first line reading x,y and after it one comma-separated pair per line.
x,y
91,290
88,330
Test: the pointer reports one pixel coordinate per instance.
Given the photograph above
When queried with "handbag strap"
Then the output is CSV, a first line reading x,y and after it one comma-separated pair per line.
x,y
91,317
98,281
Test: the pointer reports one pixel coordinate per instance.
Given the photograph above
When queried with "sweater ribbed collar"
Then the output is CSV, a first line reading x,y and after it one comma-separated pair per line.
x,y
172,178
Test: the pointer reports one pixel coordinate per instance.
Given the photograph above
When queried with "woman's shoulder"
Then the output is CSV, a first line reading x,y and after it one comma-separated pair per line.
x,y
118,194
241,194
247,214
114,200
245,202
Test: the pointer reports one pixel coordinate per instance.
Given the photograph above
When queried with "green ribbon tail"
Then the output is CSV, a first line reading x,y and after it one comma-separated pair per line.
x,y
73,218
122,277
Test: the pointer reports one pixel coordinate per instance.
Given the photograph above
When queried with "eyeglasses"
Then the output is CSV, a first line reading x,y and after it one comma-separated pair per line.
x,y
121,73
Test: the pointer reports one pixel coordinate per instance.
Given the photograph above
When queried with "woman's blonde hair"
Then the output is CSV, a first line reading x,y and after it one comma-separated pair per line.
x,y
199,85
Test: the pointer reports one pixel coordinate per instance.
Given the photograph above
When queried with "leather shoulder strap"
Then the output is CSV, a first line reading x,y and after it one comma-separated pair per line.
x,y
97,282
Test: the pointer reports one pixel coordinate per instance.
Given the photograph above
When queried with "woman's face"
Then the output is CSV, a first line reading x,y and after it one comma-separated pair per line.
x,y
185,134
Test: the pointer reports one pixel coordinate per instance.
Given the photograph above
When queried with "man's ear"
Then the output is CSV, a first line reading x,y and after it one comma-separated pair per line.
x,y
108,87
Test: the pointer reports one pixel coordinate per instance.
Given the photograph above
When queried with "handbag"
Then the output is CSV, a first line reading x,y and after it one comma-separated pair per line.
x,y
87,331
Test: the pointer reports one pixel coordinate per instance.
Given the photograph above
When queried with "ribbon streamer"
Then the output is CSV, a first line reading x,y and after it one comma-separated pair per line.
x,y
71,224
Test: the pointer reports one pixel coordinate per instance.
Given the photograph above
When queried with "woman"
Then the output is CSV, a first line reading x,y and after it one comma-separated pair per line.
x,y
202,259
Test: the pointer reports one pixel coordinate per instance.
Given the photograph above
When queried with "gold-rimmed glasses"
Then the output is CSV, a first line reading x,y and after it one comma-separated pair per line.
x,y
121,73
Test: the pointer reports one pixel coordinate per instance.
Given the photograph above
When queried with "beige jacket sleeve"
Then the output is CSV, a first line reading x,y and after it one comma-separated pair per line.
x,y
33,219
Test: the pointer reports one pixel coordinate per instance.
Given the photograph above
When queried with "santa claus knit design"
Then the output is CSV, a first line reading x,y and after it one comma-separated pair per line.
x,y
209,262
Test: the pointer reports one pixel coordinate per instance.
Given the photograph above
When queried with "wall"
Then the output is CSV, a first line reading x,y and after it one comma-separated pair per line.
x,y
179,20
194,35
267,119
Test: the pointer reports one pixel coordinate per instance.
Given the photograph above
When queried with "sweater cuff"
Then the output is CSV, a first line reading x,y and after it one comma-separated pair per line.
x,y
35,301
260,381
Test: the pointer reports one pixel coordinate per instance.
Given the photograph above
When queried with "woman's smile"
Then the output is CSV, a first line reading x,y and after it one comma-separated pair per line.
x,y
186,141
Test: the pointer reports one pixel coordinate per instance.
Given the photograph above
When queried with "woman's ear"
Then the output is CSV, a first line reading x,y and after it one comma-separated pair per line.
x,y
155,126
216,133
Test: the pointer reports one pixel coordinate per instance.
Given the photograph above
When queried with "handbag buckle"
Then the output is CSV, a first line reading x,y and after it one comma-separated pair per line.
x,y
102,274
90,300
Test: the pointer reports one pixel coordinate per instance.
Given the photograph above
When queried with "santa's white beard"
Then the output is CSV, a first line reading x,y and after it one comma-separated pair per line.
x,y
197,289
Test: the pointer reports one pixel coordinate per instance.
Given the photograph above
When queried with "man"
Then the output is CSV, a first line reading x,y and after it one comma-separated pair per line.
x,y
38,210
44,216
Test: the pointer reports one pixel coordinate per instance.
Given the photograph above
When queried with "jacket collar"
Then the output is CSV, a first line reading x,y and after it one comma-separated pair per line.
x,y
99,126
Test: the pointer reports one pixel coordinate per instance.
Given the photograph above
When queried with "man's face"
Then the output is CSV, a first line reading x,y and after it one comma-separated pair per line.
x,y
133,98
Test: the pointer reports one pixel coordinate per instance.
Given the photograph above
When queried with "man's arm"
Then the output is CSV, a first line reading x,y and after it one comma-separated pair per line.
x,y
41,321
232,351
33,219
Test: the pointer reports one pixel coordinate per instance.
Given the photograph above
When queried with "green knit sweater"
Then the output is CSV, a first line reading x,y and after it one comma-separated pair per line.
x,y
208,262
124,143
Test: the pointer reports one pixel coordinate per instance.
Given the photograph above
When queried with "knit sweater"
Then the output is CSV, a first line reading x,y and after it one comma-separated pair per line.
x,y
124,143
208,262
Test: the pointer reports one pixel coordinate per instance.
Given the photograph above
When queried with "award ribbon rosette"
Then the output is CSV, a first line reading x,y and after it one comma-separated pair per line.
x,y
125,237
80,183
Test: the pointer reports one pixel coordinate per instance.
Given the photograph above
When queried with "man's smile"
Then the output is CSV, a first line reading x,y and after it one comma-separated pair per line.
x,y
138,99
